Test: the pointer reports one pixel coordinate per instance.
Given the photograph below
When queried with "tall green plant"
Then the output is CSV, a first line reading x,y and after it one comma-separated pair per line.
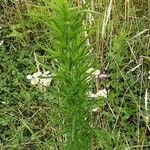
x,y
71,57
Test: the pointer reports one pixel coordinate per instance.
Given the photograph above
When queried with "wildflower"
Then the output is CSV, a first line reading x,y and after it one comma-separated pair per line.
x,y
34,78
40,79
91,95
101,93
103,76
29,77
45,73
47,82
37,74
97,73
35,81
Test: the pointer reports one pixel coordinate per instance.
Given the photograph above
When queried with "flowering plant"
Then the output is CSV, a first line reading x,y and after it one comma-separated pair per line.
x,y
40,79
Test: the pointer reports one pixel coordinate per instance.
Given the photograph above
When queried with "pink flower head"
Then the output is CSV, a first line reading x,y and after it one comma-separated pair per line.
x,y
103,76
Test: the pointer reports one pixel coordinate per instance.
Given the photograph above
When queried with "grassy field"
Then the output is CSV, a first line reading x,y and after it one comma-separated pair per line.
x,y
96,95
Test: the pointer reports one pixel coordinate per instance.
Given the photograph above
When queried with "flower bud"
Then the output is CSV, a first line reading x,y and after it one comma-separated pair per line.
x,y
103,76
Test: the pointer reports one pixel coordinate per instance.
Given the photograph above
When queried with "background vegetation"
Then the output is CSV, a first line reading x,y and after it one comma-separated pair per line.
x,y
118,37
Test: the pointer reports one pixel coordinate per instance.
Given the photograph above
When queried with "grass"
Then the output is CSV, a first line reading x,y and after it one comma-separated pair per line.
x,y
116,33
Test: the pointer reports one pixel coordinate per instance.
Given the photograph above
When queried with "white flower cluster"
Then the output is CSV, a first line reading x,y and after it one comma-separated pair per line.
x,y
40,79
99,76
93,72
100,93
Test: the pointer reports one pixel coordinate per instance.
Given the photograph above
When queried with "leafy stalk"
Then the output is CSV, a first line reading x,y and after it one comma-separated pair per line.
x,y
73,62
